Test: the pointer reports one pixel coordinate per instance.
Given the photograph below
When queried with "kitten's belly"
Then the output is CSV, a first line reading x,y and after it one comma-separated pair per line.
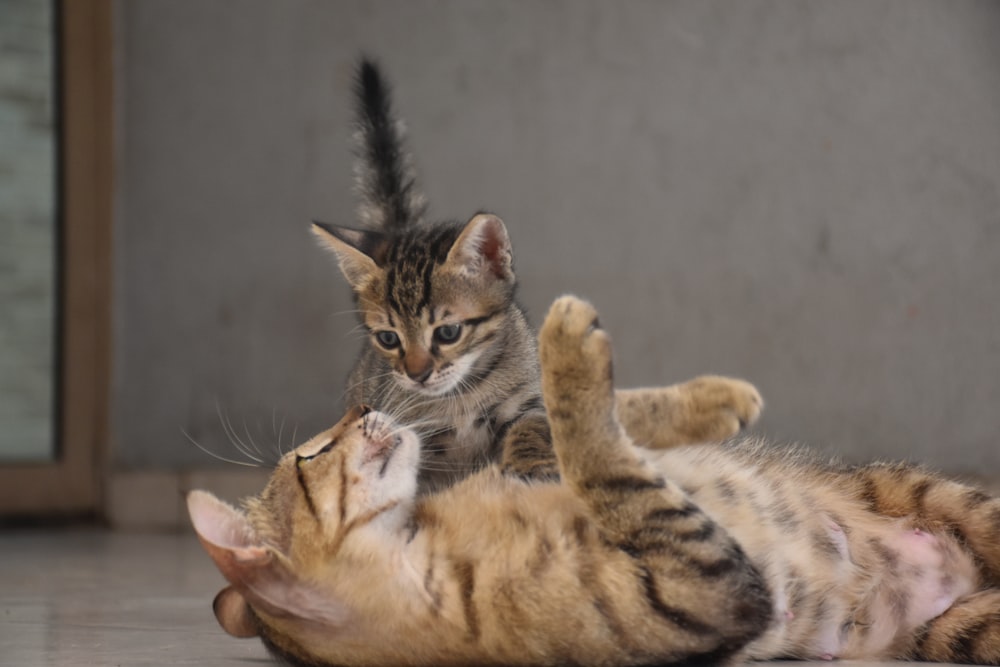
x,y
846,583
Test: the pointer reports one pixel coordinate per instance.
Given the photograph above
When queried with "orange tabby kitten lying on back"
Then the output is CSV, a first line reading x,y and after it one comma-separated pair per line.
x,y
636,557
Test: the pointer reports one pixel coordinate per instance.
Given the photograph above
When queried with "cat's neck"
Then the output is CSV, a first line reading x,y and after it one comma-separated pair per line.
x,y
383,566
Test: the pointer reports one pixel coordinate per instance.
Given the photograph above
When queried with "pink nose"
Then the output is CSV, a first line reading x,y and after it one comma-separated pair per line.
x,y
420,375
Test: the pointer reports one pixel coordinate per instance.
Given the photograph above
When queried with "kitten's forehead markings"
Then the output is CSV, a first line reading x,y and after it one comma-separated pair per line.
x,y
408,288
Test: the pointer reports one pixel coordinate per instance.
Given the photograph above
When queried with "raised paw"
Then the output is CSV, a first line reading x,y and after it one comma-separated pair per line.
x,y
575,355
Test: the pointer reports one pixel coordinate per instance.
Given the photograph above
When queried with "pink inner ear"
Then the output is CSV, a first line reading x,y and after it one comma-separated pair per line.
x,y
221,524
485,242
257,575
489,246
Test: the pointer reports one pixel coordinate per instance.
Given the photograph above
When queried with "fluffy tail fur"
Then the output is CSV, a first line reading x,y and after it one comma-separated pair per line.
x,y
385,178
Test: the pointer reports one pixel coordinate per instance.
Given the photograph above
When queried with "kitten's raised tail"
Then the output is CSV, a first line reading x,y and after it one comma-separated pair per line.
x,y
385,178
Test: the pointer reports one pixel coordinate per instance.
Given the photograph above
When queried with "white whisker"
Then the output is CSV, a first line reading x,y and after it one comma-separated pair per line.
x,y
253,444
281,429
218,456
234,438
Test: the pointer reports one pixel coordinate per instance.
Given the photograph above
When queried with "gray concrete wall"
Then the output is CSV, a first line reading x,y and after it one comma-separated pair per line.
x,y
804,194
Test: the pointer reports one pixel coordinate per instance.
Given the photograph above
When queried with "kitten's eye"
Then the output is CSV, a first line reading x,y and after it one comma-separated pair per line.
x,y
448,333
387,339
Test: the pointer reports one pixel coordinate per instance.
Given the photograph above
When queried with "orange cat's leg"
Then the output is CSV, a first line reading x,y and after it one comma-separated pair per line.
x,y
698,585
936,504
968,633
709,408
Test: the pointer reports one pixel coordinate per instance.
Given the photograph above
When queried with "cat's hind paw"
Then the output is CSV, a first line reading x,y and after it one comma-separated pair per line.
x,y
576,361
708,408
718,407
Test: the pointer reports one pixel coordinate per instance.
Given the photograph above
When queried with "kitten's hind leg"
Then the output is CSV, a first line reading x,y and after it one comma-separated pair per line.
x,y
708,408
695,578
967,633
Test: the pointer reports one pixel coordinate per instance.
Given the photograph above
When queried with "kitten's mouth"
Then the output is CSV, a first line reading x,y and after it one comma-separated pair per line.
x,y
428,388
435,387
448,380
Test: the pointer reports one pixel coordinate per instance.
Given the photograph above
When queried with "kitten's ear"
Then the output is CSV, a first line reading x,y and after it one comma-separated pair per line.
x,y
260,576
483,247
359,252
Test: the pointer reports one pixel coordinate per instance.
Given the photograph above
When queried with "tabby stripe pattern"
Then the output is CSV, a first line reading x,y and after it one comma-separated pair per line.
x,y
408,279
673,615
310,505
936,504
683,557
465,573
346,529
968,632
385,180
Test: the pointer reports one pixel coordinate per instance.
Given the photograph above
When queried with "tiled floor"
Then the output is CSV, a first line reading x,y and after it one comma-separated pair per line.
x,y
99,598
83,598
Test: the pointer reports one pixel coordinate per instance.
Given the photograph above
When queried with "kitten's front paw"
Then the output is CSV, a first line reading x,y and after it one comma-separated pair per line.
x,y
717,407
576,358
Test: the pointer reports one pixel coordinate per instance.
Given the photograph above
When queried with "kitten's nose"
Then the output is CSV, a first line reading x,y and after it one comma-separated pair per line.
x,y
420,376
418,365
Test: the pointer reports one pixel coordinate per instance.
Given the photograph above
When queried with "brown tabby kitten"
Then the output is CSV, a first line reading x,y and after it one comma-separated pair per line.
x,y
636,557
451,351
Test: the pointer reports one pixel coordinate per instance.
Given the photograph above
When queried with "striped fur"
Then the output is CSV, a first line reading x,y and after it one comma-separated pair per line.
x,y
385,179
635,557
450,351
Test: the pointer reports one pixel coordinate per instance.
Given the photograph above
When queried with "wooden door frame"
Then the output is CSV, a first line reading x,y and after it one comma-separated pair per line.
x,y
73,484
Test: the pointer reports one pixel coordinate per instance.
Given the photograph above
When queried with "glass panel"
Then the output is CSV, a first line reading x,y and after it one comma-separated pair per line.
x,y
27,231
